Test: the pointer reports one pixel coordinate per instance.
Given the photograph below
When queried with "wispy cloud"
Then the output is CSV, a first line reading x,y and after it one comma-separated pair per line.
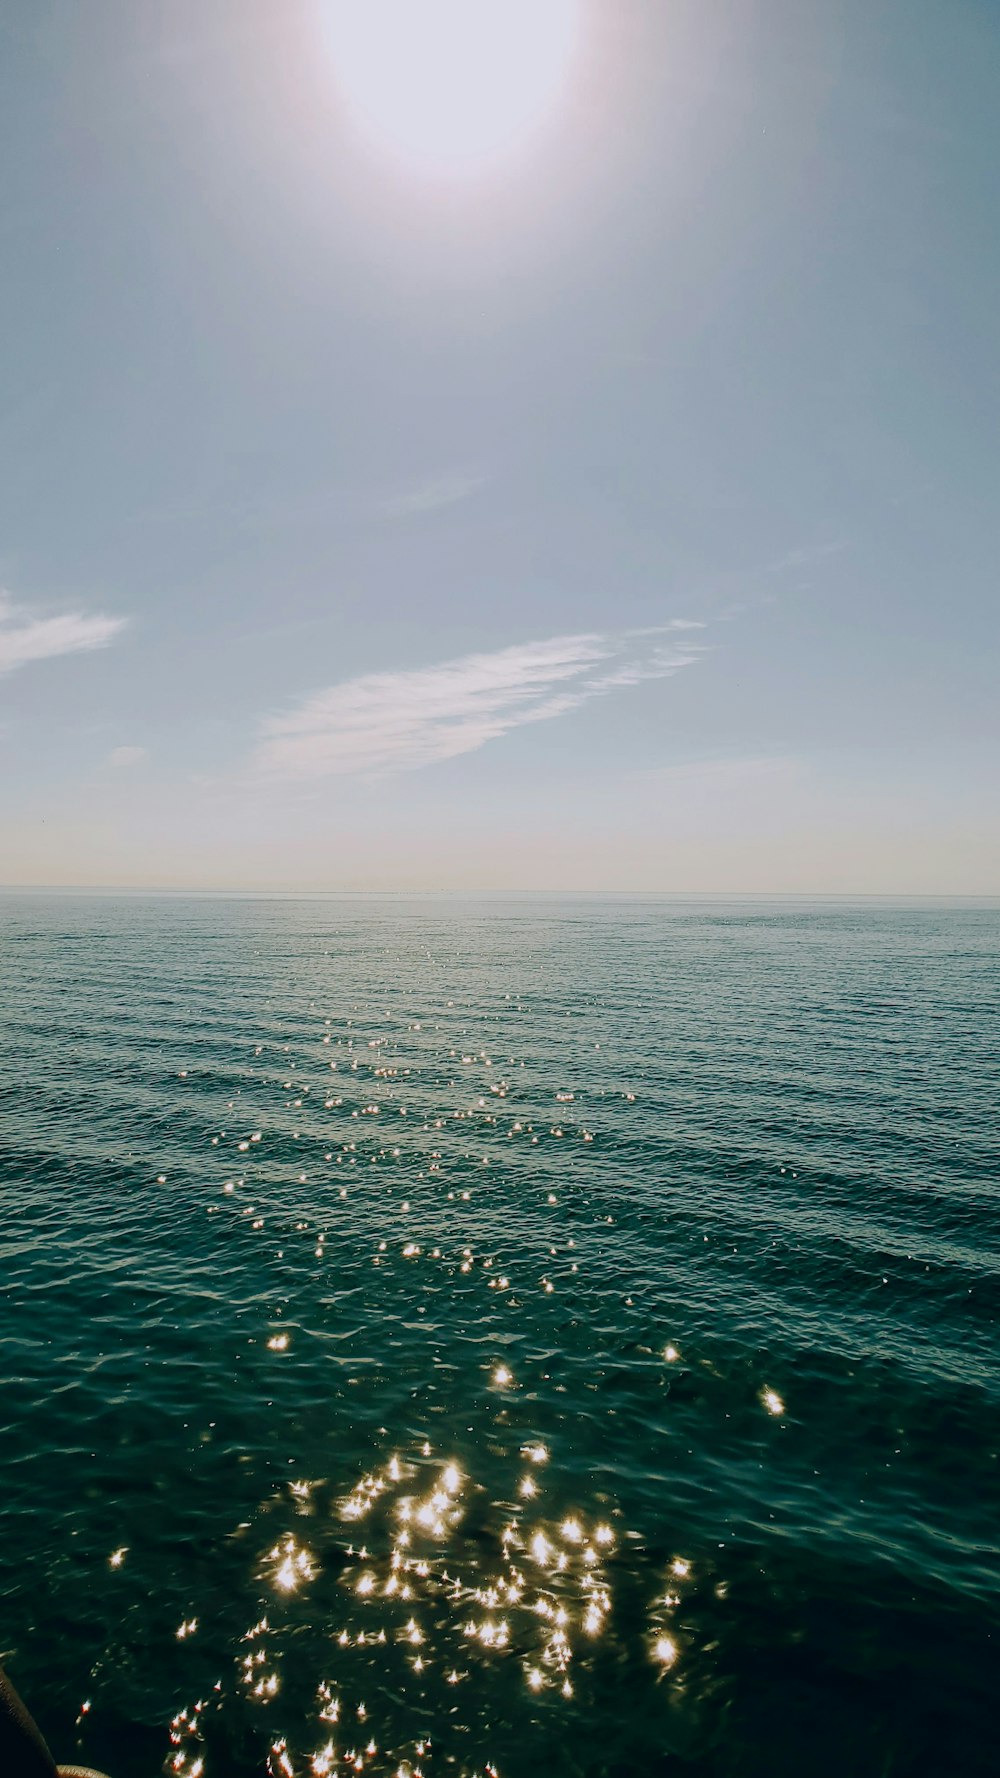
x,y
395,722
805,557
24,638
445,490
737,773
123,758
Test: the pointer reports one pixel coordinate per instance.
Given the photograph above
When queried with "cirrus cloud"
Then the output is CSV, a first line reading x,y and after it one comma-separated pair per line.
x,y
24,638
431,496
395,722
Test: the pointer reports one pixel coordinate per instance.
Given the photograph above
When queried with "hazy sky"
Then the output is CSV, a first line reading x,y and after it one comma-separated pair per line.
x,y
619,512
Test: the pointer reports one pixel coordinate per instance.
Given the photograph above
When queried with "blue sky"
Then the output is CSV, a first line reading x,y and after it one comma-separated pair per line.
x,y
621,516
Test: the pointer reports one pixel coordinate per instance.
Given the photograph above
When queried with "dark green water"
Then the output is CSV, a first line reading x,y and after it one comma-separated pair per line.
x,y
591,1368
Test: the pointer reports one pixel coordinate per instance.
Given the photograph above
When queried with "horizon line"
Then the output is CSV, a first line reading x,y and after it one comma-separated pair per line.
x,y
292,893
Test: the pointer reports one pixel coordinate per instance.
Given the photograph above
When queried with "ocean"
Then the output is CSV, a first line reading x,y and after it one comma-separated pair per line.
x,y
528,1336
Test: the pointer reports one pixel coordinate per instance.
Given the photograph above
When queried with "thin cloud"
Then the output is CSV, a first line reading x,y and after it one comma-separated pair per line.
x,y
446,490
24,639
397,722
123,758
738,773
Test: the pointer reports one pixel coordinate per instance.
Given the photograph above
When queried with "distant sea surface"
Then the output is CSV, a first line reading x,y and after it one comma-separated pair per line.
x,y
529,1337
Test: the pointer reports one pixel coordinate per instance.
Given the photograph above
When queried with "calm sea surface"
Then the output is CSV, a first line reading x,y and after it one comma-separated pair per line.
x,y
455,1337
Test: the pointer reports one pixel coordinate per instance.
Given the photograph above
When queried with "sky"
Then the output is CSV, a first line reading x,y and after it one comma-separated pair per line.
x,y
607,505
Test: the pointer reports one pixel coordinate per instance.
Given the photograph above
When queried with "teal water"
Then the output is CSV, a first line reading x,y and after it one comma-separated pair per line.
x,y
456,1337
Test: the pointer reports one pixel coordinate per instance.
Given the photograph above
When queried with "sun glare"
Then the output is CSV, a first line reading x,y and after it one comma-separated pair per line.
x,y
450,87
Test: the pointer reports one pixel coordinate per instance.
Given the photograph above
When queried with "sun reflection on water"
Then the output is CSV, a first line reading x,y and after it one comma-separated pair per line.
x,y
445,1587
448,1583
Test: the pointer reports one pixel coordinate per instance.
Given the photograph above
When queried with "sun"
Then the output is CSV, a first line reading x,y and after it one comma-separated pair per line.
x,y
450,87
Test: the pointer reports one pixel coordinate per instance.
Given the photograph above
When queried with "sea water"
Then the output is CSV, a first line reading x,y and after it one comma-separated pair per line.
x,y
459,1336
